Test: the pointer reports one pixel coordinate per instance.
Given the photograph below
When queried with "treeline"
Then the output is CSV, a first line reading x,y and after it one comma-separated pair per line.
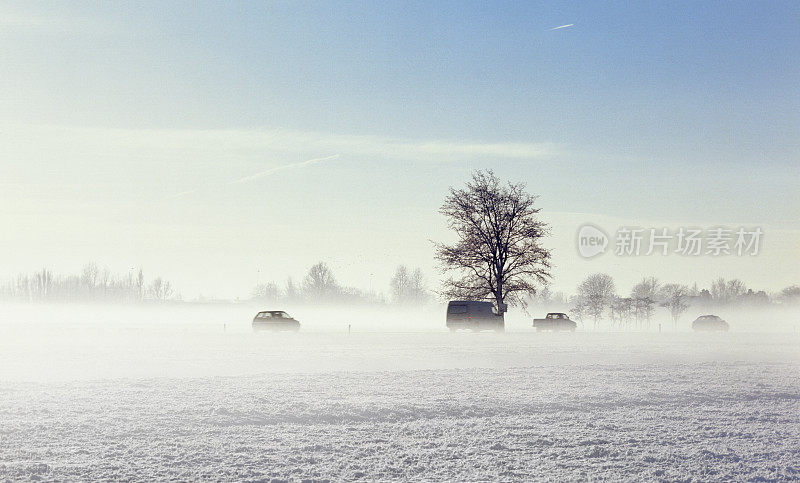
x,y
92,284
100,285
597,299
319,286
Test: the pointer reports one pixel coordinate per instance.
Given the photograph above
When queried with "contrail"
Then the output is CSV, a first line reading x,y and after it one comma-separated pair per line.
x,y
562,26
268,172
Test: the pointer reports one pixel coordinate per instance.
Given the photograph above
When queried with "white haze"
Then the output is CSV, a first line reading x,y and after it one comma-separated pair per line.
x,y
191,393
64,342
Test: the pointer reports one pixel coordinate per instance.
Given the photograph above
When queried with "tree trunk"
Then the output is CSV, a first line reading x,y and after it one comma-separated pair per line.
x,y
498,296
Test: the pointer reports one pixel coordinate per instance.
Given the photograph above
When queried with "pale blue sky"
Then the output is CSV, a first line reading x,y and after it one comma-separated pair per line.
x,y
681,113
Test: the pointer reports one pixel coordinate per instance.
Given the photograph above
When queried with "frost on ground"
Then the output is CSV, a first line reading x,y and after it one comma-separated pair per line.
x,y
527,406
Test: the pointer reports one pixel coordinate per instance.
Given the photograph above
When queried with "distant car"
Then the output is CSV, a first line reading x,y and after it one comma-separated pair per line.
x,y
275,320
709,323
555,321
474,315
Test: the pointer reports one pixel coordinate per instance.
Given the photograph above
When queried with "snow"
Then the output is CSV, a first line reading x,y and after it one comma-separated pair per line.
x,y
188,403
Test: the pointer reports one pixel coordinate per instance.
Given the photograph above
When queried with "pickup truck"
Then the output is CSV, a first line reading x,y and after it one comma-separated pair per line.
x,y
555,321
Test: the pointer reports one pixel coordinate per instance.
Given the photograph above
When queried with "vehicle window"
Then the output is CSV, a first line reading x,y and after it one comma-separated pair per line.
x,y
457,309
481,309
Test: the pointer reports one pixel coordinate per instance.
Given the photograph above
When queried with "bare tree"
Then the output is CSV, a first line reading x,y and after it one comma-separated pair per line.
x,y
596,291
399,284
140,285
43,282
23,287
89,276
320,284
579,308
719,291
417,291
266,292
543,297
290,291
645,295
736,288
497,255
407,287
724,292
160,289
674,296
648,287
621,309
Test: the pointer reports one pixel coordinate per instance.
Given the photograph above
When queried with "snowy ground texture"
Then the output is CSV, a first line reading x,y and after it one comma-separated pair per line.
x,y
459,407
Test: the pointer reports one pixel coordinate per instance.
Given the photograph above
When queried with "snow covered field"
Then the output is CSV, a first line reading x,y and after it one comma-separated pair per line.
x,y
185,402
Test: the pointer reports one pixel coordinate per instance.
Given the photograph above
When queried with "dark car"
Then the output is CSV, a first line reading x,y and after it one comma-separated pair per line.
x,y
555,321
709,323
474,315
275,320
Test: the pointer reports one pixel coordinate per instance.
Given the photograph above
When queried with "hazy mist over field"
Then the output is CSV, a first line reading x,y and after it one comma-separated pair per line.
x,y
193,393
